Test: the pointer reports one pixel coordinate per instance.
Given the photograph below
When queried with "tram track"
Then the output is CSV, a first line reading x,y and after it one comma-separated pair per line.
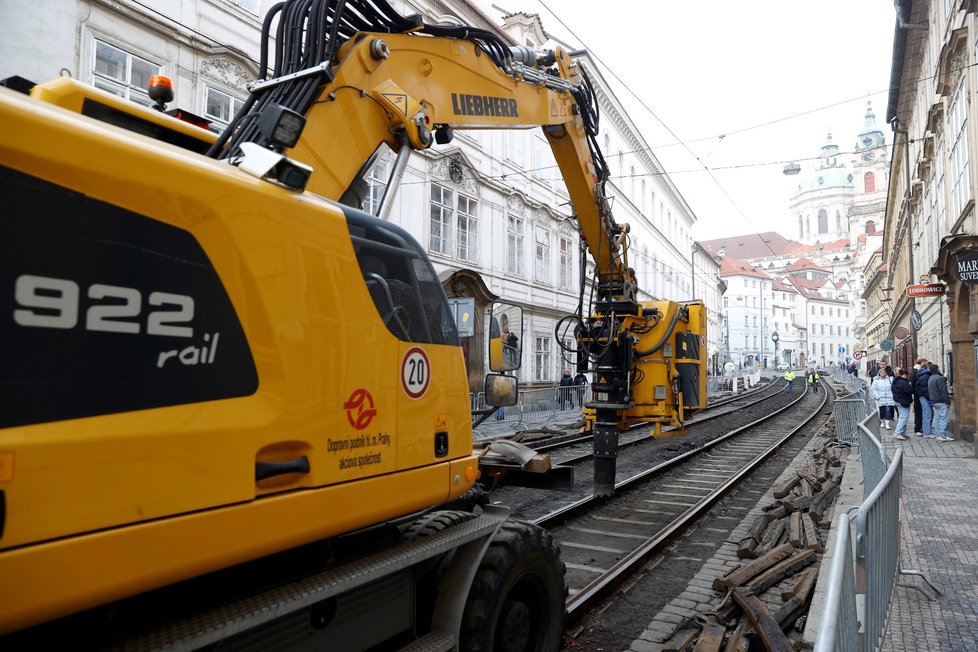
x,y
577,450
604,541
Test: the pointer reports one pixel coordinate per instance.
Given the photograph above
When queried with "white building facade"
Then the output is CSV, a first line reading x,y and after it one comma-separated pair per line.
x,y
489,207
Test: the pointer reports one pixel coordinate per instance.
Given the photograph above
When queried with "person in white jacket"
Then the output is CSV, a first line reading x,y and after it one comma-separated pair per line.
x,y
883,393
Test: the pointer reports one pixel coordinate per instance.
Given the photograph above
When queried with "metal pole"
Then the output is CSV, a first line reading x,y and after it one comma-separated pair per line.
x,y
761,363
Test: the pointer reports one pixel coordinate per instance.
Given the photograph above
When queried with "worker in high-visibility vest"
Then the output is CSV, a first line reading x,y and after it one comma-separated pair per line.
x,y
789,377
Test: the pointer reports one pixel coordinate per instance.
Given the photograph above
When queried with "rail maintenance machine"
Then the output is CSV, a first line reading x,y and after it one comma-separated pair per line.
x,y
234,409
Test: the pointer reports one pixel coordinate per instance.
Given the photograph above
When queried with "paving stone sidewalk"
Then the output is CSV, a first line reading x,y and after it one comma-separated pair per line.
x,y
940,539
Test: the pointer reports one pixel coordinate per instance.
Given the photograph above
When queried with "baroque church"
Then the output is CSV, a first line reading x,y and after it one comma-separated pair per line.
x,y
836,215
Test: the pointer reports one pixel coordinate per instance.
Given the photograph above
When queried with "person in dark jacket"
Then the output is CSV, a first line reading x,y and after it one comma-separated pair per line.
x,y
940,402
580,380
920,388
566,389
918,418
903,396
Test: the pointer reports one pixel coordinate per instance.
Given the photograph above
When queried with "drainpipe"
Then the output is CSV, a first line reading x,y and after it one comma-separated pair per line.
x,y
906,198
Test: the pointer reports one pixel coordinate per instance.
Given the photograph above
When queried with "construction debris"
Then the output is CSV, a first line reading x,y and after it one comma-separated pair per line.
x,y
778,551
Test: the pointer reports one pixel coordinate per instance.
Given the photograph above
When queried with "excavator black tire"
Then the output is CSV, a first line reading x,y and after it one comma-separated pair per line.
x,y
433,522
516,603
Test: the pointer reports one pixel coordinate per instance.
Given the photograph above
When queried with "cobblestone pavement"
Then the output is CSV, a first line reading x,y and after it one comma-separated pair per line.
x,y
940,539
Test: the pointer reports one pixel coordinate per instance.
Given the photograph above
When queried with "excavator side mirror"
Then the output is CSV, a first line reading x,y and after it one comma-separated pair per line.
x,y
505,336
501,390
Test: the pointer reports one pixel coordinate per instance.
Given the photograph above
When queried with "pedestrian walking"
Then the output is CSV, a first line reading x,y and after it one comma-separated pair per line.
x,y
580,380
883,393
918,418
789,380
920,386
566,389
814,379
903,397
940,402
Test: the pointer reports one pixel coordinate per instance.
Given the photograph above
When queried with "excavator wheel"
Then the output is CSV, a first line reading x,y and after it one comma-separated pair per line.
x,y
430,574
516,603
433,522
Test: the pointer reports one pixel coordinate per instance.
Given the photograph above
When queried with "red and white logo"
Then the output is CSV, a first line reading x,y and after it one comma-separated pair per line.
x,y
360,409
415,372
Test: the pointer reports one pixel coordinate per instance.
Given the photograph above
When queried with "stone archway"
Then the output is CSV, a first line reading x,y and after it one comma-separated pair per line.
x,y
964,349
962,304
462,283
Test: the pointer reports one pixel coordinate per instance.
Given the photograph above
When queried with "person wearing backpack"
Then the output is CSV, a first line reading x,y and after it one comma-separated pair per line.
x,y
903,397
940,400
918,417
920,387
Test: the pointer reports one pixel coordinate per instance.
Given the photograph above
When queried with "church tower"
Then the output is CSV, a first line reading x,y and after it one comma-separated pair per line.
x,y
871,166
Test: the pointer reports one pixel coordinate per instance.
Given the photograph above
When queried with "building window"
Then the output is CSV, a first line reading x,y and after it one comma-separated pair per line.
x,y
514,244
960,161
220,108
541,271
252,6
823,221
466,223
567,261
122,73
516,147
869,182
541,357
376,184
441,219
450,209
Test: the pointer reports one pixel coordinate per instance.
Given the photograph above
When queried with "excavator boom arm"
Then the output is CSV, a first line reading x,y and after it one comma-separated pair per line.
x,y
388,86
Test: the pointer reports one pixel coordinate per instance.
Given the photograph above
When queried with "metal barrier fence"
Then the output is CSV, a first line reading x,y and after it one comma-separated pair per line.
x,y
839,628
848,412
537,405
878,553
872,452
860,584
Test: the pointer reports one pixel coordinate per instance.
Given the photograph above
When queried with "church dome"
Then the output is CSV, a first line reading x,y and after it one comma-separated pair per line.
x,y
830,173
834,177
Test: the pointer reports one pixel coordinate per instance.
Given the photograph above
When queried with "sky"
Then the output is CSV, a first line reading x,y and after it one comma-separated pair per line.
x,y
772,77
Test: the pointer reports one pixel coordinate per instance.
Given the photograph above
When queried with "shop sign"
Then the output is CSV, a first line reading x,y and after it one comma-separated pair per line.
x,y
916,320
925,290
966,269
901,333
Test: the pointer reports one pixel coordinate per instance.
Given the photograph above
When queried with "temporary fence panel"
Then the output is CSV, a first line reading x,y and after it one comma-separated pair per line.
x,y
878,553
838,630
568,397
872,452
537,405
848,412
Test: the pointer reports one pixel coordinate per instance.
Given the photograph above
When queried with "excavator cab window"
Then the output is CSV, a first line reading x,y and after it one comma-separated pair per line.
x,y
403,285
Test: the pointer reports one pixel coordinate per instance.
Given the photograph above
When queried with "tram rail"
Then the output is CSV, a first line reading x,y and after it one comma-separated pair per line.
x,y
604,541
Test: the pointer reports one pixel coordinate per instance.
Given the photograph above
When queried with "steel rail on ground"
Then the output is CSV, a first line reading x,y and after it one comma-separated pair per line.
x,y
599,588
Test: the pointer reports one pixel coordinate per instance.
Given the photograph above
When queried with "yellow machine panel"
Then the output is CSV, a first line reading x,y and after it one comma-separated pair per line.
x,y
229,352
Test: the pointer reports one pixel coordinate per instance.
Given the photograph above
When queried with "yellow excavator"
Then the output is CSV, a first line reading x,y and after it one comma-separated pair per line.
x,y
233,408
